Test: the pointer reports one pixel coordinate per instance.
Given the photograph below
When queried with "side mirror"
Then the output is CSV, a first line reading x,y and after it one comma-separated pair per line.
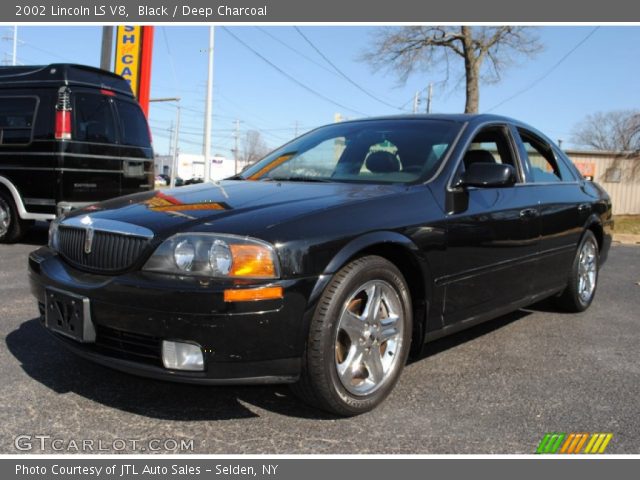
x,y
490,175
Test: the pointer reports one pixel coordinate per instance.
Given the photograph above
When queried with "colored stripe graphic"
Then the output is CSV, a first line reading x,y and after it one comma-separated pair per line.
x,y
573,443
550,443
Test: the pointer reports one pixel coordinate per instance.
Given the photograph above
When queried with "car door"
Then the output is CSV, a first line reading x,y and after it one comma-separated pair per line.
x,y
564,209
492,238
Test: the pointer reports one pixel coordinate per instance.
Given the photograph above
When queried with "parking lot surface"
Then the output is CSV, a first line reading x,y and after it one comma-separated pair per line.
x,y
497,388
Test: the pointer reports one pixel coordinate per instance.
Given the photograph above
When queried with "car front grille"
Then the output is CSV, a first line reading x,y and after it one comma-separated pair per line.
x,y
128,346
109,251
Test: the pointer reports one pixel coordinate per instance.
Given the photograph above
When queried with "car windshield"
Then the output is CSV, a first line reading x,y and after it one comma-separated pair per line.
x,y
369,151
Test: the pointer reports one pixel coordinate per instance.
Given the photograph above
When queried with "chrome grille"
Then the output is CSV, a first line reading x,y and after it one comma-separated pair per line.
x,y
110,251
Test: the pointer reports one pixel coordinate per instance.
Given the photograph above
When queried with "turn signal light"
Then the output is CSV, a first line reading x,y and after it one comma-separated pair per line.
x,y
252,294
253,261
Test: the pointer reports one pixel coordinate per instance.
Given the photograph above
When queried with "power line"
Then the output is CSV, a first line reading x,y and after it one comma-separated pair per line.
x,y
291,78
547,73
295,50
171,63
342,74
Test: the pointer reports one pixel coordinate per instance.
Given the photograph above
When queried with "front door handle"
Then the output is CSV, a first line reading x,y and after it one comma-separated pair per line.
x,y
584,207
528,213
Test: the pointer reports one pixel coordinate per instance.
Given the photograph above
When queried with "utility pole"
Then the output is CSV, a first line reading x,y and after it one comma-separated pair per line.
x,y
107,43
176,150
236,136
15,45
207,111
295,134
416,101
429,97
176,136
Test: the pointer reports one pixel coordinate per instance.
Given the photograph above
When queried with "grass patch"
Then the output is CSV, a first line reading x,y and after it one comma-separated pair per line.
x,y
627,224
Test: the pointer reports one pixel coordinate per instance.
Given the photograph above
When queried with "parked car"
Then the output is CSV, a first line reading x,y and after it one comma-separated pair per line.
x,y
70,135
164,180
325,263
193,180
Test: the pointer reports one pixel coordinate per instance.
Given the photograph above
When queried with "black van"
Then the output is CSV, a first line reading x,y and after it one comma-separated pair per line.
x,y
70,135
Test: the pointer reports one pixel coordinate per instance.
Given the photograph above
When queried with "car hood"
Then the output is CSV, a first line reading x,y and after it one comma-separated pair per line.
x,y
230,206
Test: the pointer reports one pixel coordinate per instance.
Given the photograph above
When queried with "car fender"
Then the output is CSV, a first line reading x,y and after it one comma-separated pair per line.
x,y
17,200
352,248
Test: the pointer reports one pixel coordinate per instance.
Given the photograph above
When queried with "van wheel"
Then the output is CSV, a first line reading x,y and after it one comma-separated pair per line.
x,y
12,227
359,338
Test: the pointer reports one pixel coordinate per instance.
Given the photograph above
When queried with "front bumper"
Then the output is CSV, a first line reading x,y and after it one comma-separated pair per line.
x,y
243,343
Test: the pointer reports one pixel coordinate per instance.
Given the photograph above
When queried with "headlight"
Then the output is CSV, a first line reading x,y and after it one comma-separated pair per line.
x,y
215,255
53,234
184,254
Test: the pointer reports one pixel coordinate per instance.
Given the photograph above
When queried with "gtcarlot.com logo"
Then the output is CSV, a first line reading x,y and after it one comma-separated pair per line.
x,y
27,443
587,443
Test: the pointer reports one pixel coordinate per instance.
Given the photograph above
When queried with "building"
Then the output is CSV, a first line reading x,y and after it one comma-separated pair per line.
x,y
617,172
192,166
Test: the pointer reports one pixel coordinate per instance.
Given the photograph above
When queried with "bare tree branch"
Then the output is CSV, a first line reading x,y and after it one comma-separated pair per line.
x,y
406,50
616,131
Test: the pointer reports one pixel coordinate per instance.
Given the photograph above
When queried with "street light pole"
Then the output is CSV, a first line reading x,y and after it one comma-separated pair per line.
x,y
207,111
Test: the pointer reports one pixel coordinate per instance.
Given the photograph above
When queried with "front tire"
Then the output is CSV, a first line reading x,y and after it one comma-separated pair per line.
x,y
359,338
583,281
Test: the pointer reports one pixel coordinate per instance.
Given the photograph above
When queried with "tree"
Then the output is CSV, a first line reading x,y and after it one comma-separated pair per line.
x,y
614,131
484,52
253,148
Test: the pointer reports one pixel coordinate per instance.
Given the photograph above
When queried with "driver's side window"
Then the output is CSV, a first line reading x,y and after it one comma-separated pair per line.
x,y
490,145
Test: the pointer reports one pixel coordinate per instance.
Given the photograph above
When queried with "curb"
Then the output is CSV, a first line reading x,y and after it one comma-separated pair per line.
x,y
626,238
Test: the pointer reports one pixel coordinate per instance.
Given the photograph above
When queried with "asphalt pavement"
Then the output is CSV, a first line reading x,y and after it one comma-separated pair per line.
x,y
497,388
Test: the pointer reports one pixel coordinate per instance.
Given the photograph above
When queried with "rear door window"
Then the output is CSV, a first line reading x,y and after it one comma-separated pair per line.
x,y
93,119
16,119
133,125
544,167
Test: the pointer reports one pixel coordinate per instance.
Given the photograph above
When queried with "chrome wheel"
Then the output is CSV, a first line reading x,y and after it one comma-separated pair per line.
x,y
5,217
587,270
369,337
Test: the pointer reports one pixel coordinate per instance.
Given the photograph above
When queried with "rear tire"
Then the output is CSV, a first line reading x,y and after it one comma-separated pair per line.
x,y
579,293
12,227
359,338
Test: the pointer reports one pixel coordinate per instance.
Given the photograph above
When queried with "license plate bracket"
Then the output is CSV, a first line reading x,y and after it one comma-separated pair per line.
x,y
69,314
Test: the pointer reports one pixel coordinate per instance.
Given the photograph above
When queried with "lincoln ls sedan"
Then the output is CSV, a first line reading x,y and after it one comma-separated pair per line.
x,y
330,261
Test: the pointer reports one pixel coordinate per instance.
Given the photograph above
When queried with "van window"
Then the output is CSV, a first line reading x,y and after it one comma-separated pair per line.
x,y
133,125
94,120
16,119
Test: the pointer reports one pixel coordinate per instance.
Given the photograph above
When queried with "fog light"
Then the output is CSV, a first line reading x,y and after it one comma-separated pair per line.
x,y
182,356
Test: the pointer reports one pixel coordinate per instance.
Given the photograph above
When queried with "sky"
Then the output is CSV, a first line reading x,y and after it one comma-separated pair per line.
x,y
273,80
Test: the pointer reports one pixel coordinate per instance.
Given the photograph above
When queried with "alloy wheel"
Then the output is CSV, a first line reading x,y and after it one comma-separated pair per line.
x,y
369,337
587,270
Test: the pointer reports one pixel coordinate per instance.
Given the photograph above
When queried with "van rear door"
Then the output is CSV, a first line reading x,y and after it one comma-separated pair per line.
x,y
90,163
136,151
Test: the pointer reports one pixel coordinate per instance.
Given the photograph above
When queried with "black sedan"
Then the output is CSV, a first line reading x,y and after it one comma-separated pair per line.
x,y
327,262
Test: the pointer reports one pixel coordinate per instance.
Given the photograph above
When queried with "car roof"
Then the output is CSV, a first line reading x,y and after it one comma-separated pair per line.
x,y
62,73
453,117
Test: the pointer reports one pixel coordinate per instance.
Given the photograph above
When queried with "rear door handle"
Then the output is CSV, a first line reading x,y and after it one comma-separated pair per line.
x,y
528,213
